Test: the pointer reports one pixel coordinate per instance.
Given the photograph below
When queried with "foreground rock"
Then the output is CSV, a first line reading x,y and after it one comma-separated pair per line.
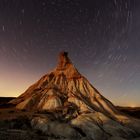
x,y
94,126
55,128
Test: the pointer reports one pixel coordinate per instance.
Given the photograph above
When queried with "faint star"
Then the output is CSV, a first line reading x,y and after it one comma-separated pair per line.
x,y
22,11
3,28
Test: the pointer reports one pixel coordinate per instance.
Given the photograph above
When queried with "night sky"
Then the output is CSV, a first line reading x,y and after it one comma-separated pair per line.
x,y
101,36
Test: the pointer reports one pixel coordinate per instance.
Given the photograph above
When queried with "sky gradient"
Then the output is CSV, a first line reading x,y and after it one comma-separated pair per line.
x,y
102,38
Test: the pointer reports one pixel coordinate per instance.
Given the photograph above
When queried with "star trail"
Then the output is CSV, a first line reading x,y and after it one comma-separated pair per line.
x,y
102,38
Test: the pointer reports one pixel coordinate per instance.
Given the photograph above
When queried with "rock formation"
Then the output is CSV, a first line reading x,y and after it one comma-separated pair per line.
x,y
69,95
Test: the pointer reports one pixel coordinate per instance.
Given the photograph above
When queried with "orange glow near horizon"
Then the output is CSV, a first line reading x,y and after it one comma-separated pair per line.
x,y
132,105
14,83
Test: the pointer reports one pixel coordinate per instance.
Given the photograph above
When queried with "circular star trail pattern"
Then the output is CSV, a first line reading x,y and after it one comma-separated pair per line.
x,y
102,38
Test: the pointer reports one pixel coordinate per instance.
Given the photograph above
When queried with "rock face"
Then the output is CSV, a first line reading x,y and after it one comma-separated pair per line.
x,y
66,92
63,86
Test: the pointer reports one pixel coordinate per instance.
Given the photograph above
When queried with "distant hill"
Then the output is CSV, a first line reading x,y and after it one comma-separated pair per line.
x,y
132,111
4,101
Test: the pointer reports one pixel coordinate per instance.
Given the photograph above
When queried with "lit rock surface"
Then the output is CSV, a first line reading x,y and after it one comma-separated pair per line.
x,y
70,97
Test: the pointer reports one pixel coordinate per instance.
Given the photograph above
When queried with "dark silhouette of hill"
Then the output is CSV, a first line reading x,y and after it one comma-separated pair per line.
x,y
132,111
4,102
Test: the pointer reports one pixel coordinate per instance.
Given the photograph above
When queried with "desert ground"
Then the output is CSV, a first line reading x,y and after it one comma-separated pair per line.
x,y
16,124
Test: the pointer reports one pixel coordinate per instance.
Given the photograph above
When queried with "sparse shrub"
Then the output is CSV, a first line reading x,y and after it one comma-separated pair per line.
x,y
11,111
38,132
23,110
21,122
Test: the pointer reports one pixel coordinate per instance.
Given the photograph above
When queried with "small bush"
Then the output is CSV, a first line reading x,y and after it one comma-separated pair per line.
x,y
23,110
11,111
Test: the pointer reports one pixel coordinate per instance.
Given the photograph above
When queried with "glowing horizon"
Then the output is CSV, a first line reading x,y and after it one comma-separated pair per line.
x,y
24,81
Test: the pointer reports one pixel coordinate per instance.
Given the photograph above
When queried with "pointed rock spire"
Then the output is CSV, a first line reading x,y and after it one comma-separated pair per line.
x,y
63,60
66,67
